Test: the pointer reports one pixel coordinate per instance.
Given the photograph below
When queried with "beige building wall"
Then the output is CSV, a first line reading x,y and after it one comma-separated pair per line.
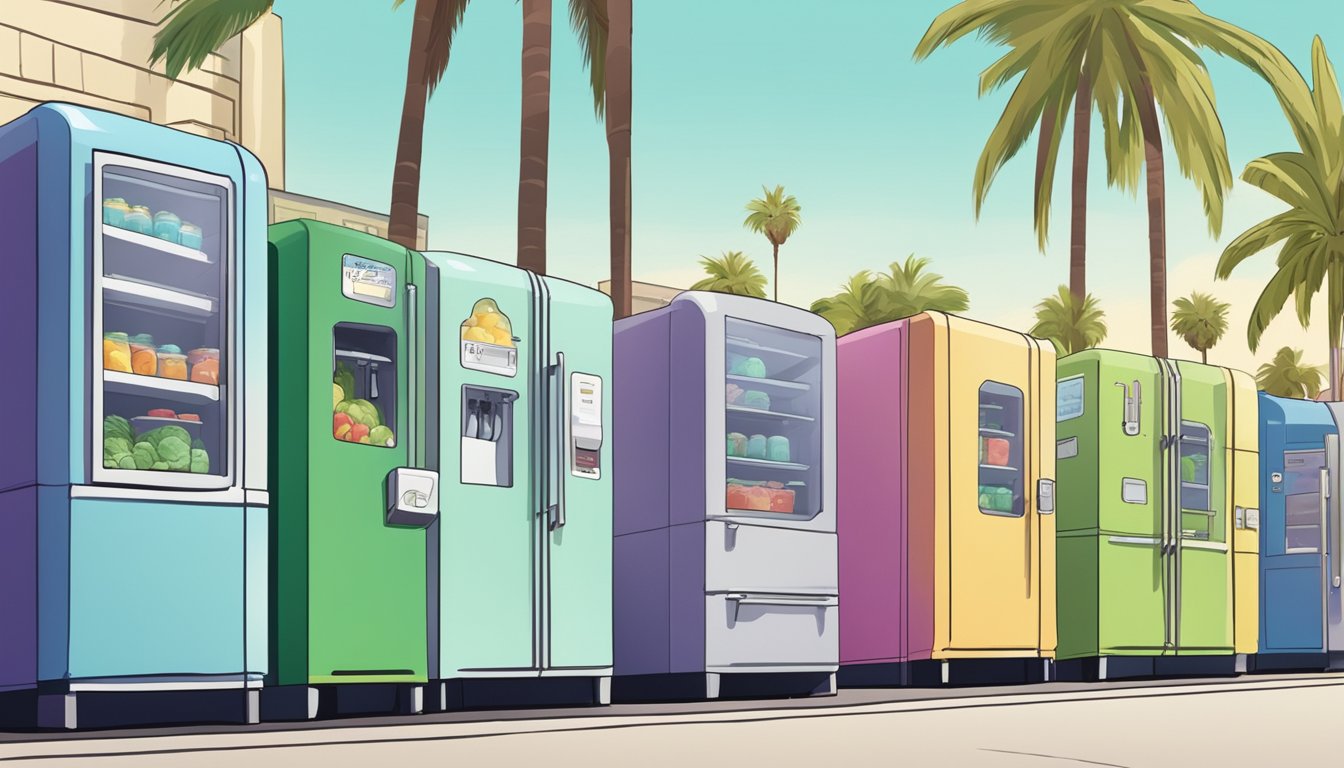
x,y
644,296
95,53
286,206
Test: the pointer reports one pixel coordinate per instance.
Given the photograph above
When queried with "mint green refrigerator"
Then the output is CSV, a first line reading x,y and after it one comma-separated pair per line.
x,y
520,558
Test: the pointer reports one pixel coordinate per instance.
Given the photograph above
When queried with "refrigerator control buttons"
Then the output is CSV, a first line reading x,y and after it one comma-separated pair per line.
x,y
585,425
1252,518
412,497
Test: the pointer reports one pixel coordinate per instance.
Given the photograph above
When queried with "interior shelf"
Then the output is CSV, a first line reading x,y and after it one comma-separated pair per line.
x,y
156,297
743,410
181,391
766,464
155,243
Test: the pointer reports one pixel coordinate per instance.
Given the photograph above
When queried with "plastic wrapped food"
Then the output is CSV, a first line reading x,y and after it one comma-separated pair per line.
x,y
737,444
781,500
206,371
758,499
777,448
753,367
733,393
756,399
116,352
488,325
996,451
737,496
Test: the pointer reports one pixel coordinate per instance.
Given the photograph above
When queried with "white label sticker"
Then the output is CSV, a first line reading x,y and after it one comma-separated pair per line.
x,y
371,282
585,425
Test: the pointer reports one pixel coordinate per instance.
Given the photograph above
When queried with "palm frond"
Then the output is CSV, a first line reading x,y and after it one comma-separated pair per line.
x,y
443,28
731,273
589,20
194,29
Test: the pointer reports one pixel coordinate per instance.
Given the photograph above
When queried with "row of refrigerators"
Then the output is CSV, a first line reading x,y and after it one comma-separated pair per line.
x,y
508,500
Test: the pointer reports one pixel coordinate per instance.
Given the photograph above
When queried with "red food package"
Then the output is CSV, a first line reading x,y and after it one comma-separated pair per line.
x,y
758,499
161,413
996,451
737,497
781,500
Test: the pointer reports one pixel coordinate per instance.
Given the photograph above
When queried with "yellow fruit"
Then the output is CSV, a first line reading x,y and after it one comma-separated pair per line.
x,y
503,338
471,322
479,334
337,395
487,320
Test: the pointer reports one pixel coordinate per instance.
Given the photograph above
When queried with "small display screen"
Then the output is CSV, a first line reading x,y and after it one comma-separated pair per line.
x,y
371,282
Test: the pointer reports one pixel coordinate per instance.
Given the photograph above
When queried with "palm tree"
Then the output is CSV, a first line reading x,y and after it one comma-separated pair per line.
x,y
858,305
1201,320
1287,376
1311,183
1071,326
194,29
908,290
534,135
776,216
1133,57
732,273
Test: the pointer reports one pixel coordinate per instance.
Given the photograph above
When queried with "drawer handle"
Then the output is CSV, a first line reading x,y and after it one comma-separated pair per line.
x,y
821,601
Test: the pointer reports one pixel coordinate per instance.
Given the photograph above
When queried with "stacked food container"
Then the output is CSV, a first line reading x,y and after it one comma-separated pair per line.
x,y
725,551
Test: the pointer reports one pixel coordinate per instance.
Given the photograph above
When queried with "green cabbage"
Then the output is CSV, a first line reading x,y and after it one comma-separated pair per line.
x,y
362,412
114,450
200,461
116,426
144,455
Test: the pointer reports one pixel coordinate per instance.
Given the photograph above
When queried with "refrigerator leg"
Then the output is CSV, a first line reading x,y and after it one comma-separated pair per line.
x,y
1101,668
314,699
1048,670
830,688
252,705
947,672
711,685
411,700
57,711
602,690
1240,668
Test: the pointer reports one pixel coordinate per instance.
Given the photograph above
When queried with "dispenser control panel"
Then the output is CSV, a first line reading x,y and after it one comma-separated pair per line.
x,y
369,281
585,425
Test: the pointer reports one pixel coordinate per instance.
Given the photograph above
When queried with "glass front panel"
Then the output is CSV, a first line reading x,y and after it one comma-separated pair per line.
x,y
166,246
1195,447
1001,455
774,449
1302,500
364,385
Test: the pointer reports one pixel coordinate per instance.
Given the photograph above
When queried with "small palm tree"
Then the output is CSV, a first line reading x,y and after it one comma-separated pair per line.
x,y
1311,183
858,305
908,290
1201,320
732,273
776,216
1070,326
1287,376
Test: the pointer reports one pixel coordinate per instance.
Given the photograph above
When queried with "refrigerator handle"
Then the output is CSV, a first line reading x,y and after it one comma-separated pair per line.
x,y
412,391
1332,457
555,513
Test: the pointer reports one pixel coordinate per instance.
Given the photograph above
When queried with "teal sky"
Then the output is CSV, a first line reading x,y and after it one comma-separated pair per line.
x,y
733,94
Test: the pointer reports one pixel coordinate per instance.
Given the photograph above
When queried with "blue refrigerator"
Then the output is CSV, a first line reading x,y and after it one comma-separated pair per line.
x,y
1300,534
133,497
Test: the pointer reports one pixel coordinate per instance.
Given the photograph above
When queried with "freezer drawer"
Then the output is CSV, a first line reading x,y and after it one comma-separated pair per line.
x,y
760,632
740,557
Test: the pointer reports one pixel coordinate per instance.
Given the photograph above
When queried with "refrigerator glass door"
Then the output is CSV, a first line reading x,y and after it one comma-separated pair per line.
x,y
163,255
774,421
1302,501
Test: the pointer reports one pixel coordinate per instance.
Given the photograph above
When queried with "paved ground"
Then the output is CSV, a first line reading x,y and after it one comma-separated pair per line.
x,y
1249,721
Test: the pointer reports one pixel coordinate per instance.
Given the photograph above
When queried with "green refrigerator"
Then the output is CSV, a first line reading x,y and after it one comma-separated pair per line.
x,y
521,556
353,367
1148,523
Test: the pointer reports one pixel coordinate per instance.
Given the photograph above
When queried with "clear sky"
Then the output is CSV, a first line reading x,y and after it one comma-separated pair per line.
x,y
824,98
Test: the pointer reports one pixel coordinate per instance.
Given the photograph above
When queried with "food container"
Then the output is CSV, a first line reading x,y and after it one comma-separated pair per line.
x,y
737,496
114,211
172,364
754,398
781,500
756,447
139,219
733,393
204,363
116,352
144,359
737,444
777,448
190,235
166,226
996,451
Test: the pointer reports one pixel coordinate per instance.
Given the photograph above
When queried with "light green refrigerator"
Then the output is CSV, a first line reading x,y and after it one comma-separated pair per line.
x,y
522,550
352,317
1156,516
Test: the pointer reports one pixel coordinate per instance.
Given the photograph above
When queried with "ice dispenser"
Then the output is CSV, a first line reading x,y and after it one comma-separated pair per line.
x,y
585,425
487,436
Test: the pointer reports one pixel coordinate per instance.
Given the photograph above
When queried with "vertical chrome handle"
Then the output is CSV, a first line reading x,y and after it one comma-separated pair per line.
x,y
556,511
412,389
1332,457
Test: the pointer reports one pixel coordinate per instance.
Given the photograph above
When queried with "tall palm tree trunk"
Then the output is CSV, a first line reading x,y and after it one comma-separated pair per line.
x,y
1082,137
1157,217
619,76
404,212
535,135
774,283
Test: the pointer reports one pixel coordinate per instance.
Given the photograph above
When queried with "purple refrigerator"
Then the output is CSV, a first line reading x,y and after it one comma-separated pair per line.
x,y
725,561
